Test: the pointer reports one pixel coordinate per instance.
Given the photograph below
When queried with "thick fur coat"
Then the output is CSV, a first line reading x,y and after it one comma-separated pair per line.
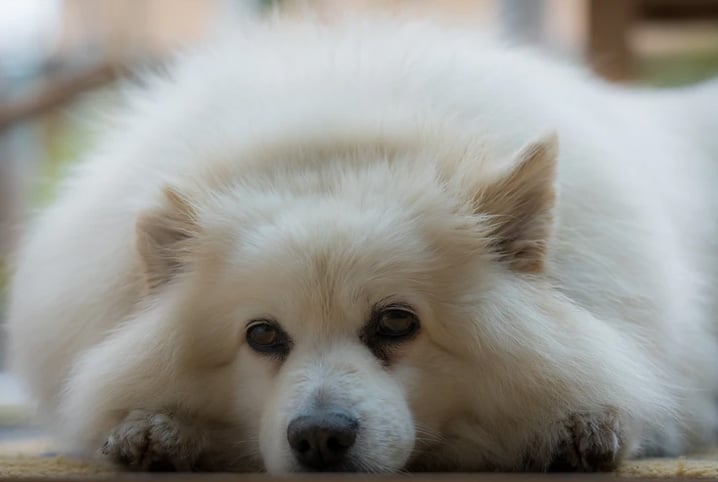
x,y
550,239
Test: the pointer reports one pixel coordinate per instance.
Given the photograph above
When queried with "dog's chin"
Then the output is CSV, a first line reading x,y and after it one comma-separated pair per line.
x,y
348,466
355,463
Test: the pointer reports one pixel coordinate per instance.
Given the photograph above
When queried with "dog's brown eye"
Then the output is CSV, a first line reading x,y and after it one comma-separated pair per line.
x,y
266,337
262,335
389,327
396,323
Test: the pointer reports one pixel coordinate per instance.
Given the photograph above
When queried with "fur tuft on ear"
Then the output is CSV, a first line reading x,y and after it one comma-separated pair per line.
x,y
162,237
520,206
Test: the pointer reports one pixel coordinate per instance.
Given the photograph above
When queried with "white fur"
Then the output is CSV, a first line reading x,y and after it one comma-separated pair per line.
x,y
333,167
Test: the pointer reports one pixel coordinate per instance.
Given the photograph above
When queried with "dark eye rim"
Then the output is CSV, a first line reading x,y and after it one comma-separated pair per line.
x,y
280,348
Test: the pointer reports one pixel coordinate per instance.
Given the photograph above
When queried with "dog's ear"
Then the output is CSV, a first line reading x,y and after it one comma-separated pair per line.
x,y
520,206
163,237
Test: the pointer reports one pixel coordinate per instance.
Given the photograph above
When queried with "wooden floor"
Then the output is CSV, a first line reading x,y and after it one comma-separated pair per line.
x,y
345,478
339,478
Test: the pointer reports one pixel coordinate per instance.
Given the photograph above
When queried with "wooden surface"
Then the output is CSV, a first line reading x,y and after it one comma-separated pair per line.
x,y
610,23
56,93
608,50
679,9
489,477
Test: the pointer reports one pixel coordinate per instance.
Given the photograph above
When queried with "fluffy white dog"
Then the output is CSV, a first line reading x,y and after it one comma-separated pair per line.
x,y
378,246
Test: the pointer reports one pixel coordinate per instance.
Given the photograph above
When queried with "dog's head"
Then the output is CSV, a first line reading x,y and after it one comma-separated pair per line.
x,y
332,306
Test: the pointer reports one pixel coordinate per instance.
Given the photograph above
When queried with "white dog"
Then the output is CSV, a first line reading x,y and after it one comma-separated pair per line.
x,y
380,246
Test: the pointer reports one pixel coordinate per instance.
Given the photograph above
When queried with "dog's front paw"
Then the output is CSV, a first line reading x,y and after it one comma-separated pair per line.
x,y
588,443
153,441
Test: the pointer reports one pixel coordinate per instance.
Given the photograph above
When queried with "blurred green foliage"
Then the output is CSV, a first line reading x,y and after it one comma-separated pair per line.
x,y
3,279
677,69
65,143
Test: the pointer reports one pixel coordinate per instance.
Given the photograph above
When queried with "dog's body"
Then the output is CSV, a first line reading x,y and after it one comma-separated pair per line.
x,y
306,178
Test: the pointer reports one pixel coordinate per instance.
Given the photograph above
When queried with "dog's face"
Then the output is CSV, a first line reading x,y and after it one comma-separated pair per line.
x,y
336,313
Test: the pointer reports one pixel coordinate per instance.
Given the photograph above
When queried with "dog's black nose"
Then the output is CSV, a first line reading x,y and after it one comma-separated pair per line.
x,y
320,441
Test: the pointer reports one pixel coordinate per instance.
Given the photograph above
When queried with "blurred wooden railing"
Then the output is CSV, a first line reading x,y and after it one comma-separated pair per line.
x,y
55,93
610,23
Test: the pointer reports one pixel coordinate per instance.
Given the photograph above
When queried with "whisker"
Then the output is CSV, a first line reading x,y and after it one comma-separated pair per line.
x,y
426,434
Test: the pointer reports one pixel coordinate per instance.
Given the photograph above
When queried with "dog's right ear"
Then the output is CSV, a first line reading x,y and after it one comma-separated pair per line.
x,y
521,206
163,237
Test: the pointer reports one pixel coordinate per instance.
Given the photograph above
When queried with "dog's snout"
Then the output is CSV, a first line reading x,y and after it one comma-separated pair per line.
x,y
320,441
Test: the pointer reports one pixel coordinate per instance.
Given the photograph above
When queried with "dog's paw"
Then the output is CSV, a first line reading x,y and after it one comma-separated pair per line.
x,y
589,443
153,442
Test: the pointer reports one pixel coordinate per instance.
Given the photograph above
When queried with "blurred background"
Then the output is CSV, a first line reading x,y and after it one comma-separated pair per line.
x,y
61,60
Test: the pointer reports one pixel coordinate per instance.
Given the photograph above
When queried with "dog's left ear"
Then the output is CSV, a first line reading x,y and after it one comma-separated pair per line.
x,y
520,206
163,238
